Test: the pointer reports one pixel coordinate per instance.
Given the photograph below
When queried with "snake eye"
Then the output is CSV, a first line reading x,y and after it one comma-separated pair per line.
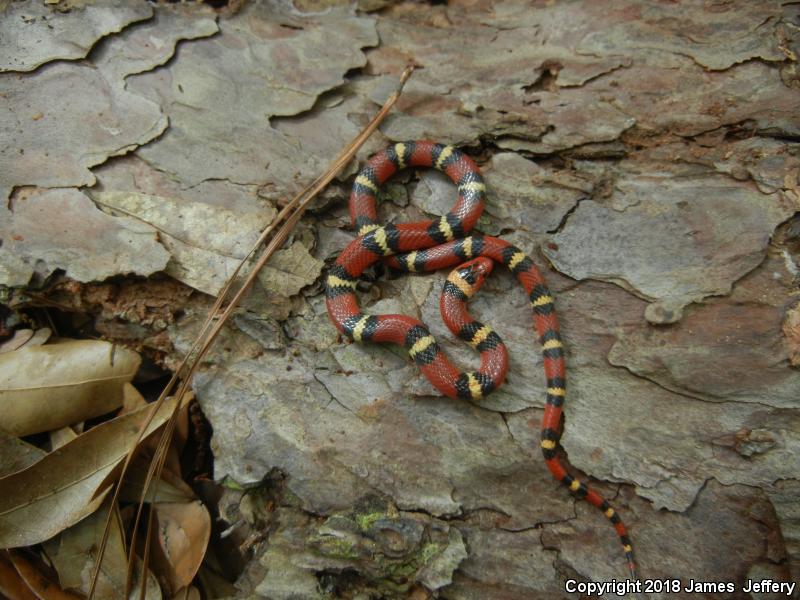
x,y
468,274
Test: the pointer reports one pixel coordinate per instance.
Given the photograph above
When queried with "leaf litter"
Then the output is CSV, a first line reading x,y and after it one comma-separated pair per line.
x,y
69,483
46,387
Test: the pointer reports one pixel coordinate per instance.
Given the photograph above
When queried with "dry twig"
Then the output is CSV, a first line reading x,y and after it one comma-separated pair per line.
x,y
287,218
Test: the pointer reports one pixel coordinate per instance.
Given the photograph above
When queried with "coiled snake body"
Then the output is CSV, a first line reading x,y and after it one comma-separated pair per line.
x,y
440,243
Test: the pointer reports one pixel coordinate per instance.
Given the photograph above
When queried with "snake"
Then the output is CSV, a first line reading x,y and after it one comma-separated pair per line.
x,y
441,243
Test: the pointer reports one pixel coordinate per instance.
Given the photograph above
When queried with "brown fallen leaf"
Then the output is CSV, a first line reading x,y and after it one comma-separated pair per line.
x,y
61,436
41,586
181,435
214,584
132,400
19,339
73,556
11,584
170,487
16,454
47,387
190,593
183,533
69,483
172,461
40,337
184,525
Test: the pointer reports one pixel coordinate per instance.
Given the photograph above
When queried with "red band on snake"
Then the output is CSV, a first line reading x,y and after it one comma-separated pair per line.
x,y
440,243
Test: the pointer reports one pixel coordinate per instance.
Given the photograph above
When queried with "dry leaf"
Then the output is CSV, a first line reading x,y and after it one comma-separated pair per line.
x,y
16,454
190,593
36,581
132,399
39,338
67,484
214,584
172,462
183,533
181,434
19,339
73,556
61,436
47,387
170,488
11,584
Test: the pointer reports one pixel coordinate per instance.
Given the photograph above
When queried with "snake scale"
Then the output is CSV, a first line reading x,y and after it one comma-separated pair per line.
x,y
436,244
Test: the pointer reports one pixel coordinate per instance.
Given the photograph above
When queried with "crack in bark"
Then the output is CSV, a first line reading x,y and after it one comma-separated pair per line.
x,y
686,393
565,217
334,399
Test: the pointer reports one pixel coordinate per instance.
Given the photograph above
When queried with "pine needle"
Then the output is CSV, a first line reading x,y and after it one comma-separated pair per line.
x,y
286,219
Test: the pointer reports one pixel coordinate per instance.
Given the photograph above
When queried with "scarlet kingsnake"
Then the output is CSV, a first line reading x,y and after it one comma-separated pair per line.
x,y
432,245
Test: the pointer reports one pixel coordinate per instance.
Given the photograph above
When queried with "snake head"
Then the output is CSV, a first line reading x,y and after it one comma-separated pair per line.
x,y
475,271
